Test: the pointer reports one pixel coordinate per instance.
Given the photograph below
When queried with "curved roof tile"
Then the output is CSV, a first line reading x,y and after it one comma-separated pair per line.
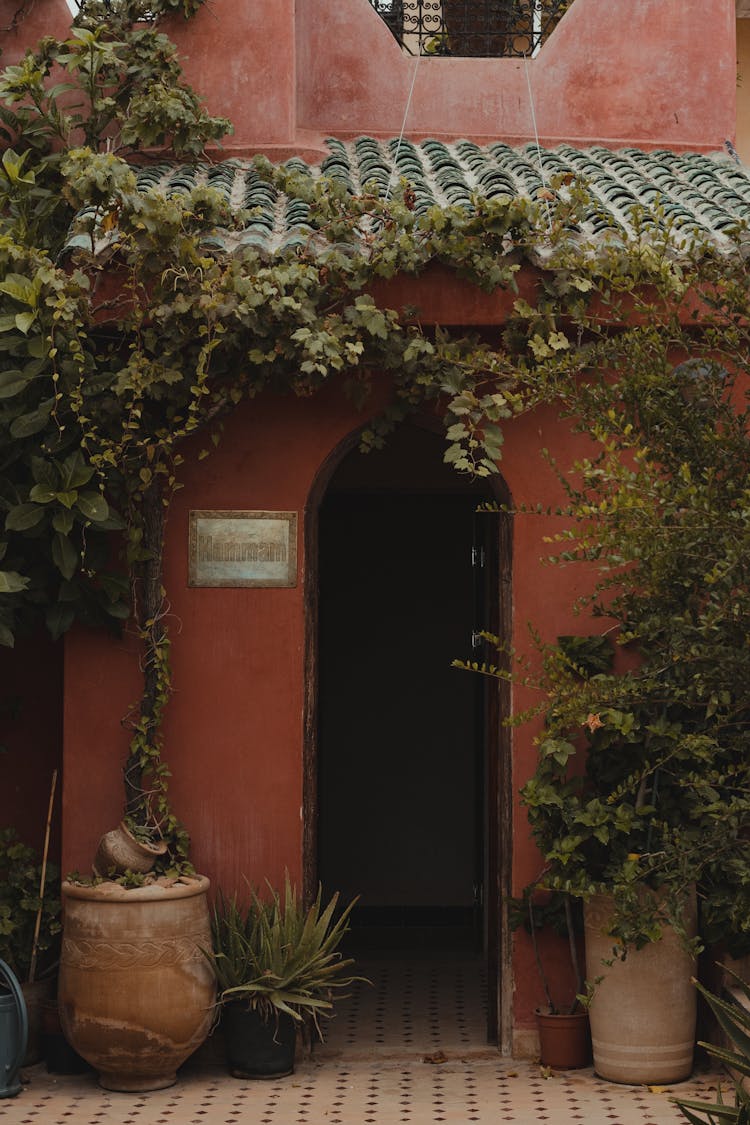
x,y
707,194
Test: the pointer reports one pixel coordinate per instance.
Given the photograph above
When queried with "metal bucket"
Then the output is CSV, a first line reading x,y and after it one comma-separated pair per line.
x,y
14,1030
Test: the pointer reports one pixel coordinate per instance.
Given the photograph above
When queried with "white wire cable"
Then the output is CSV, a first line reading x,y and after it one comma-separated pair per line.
x,y
394,170
536,136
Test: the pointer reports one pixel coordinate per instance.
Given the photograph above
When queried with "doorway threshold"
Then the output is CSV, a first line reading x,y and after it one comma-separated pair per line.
x,y
426,1005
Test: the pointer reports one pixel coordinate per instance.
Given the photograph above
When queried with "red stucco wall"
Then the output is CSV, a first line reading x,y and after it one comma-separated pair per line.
x,y
646,73
23,25
31,683
241,57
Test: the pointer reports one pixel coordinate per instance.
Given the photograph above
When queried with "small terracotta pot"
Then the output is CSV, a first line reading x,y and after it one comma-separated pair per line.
x,y
119,851
564,1040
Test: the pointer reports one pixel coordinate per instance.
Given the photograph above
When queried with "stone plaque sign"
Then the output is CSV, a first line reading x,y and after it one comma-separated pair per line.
x,y
243,549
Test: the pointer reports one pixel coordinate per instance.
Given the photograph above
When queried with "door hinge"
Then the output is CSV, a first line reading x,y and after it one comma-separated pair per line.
x,y
477,556
476,639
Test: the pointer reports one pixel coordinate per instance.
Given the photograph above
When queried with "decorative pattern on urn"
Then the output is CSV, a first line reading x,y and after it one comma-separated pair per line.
x,y
121,956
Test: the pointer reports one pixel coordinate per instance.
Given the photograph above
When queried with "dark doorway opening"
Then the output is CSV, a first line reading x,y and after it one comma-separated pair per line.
x,y
407,780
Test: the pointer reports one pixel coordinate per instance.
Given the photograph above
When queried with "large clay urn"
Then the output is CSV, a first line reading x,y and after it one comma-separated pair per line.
x,y
136,992
643,1011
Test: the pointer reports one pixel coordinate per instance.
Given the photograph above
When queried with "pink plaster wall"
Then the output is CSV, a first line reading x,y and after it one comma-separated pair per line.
x,y
233,732
22,26
240,55
647,73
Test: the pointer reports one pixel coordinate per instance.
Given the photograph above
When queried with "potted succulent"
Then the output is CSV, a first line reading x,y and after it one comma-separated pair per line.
x,y
732,1012
278,967
564,1039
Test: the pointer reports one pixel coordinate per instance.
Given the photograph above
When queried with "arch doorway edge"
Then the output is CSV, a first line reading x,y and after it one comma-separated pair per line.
x,y
498,739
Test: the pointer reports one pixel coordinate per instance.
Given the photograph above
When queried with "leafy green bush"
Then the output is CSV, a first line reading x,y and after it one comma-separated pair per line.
x,y
279,957
642,781
20,874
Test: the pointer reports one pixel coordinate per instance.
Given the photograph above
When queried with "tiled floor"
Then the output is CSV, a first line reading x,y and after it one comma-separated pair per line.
x,y
412,1006
410,1050
375,1092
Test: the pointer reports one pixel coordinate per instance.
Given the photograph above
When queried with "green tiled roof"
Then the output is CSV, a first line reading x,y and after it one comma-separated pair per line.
x,y
704,195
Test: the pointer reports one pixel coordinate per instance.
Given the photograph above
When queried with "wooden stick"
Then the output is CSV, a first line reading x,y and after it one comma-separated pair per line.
x,y
37,927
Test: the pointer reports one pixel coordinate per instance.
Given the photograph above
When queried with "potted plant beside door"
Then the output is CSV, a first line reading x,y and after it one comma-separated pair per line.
x,y
641,795
95,422
627,810
621,837
278,966
630,835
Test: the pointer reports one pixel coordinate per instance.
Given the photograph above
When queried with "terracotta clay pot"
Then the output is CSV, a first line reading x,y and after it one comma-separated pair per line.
x,y
136,992
119,851
643,1010
564,1040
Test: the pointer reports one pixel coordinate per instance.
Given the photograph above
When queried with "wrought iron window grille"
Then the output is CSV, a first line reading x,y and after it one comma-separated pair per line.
x,y
476,28
86,12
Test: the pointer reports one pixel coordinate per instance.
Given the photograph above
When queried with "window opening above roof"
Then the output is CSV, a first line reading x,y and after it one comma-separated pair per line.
x,y
477,28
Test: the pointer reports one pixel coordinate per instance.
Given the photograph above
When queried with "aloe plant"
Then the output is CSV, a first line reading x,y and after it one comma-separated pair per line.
x,y
279,957
734,1020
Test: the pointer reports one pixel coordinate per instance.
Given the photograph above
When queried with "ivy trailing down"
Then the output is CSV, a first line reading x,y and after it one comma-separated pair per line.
x,y
115,354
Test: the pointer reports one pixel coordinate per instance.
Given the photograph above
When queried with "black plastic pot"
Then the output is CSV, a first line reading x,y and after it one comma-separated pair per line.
x,y
257,1048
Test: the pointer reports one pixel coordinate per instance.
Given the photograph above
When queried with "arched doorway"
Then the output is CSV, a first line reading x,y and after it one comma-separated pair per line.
x,y
409,794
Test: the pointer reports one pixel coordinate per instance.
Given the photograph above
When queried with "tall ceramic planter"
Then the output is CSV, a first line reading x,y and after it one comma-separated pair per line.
x,y
136,992
643,1011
